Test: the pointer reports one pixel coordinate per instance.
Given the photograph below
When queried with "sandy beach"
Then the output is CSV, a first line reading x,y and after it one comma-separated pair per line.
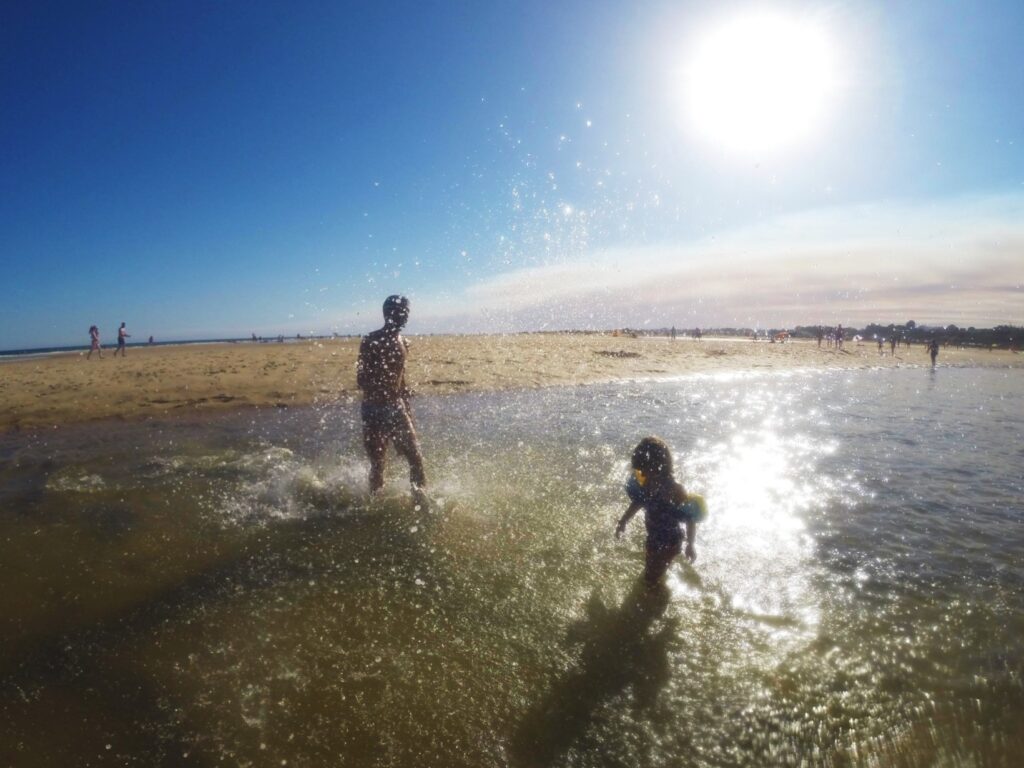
x,y
161,381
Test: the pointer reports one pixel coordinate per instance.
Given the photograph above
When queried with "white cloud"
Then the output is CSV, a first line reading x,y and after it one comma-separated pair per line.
x,y
956,261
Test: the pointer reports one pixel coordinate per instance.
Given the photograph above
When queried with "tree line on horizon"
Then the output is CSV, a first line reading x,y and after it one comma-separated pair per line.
x,y
1001,336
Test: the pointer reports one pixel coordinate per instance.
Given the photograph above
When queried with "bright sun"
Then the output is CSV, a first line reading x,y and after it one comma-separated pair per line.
x,y
760,82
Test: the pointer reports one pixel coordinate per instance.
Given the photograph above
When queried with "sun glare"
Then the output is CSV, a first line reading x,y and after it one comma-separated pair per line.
x,y
759,82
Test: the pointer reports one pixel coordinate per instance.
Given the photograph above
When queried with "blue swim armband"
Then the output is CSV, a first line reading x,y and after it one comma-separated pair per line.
x,y
635,491
693,510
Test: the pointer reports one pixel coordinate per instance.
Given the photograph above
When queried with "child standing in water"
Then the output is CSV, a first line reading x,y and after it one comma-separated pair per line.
x,y
654,489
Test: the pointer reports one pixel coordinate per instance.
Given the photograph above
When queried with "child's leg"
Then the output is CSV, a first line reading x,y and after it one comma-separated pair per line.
x,y
659,557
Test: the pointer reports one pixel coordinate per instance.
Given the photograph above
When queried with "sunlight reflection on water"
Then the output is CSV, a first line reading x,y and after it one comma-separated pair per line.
x,y
236,573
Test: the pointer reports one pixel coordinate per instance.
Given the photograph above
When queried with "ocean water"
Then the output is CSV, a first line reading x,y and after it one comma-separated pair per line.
x,y
223,592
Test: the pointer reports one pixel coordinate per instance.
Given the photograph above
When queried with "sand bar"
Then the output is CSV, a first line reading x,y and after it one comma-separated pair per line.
x,y
162,381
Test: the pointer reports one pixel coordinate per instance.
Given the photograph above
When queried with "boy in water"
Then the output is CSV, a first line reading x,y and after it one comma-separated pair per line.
x,y
380,373
654,489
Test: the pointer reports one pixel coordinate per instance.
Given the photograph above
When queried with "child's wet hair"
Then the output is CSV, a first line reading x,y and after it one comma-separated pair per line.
x,y
653,457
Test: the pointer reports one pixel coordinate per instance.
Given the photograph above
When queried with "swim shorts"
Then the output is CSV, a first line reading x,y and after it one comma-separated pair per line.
x,y
388,421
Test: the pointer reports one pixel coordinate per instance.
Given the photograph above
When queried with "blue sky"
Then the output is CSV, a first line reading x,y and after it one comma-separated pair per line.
x,y
212,169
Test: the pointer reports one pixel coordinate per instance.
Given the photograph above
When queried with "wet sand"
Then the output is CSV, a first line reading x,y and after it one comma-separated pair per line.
x,y
162,381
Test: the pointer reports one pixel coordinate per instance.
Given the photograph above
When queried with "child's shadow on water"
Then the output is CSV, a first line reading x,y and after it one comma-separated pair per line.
x,y
619,652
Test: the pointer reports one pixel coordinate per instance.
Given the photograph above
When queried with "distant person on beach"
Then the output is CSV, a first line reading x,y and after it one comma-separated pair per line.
x,y
673,333
654,489
387,416
94,342
839,336
122,340
820,334
933,350
892,345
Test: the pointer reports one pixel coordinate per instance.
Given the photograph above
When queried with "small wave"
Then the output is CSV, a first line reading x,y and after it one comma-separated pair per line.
x,y
277,484
75,481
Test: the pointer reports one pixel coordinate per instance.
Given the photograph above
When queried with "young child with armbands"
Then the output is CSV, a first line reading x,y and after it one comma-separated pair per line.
x,y
666,504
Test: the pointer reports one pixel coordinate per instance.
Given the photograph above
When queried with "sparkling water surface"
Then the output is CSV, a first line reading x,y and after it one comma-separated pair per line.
x,y
223,592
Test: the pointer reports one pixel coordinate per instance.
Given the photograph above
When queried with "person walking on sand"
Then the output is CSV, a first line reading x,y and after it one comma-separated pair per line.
x,y
94,342
892,345
122,340
387,417
933,350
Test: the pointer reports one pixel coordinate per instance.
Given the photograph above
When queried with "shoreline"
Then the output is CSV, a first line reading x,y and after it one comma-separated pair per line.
x,y
16,355
164,380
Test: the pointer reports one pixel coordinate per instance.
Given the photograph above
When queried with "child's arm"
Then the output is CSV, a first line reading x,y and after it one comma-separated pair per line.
x,y
679,497
691,540
631,510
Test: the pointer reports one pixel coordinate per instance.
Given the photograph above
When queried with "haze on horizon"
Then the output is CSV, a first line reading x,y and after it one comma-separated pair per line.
x,y
216,170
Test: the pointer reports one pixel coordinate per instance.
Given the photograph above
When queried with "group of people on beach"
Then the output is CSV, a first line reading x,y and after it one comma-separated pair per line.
x,y
670,514
834,337
122,341
893,342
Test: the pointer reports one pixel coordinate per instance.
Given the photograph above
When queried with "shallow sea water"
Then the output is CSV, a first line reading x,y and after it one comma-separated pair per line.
x,y
223,592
